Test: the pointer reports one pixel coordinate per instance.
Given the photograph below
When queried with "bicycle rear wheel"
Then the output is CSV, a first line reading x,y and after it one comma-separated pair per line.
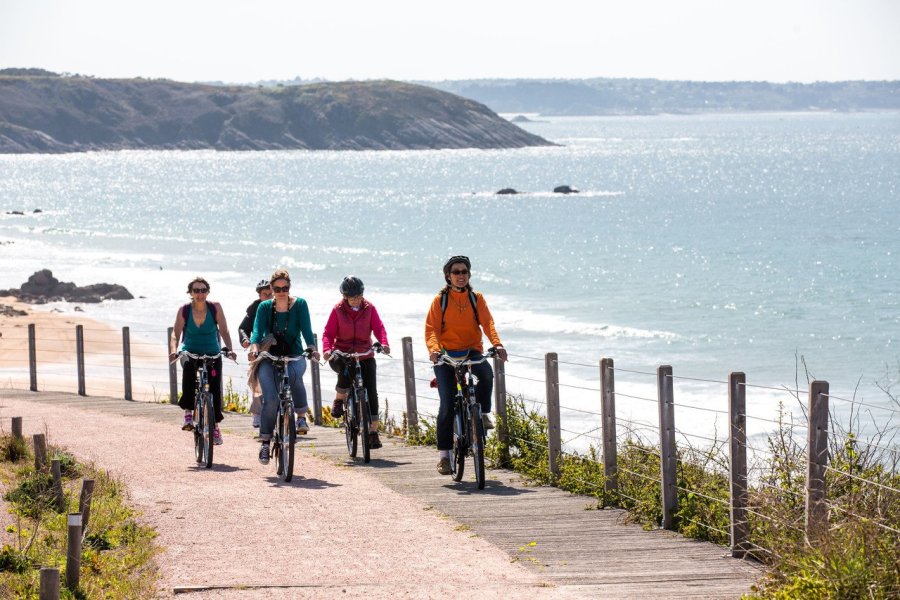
x,y
288,427
350,423
476,435
209,426
364,420
460,447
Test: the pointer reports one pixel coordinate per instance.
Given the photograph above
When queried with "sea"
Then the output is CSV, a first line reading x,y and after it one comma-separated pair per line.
x,y
767,244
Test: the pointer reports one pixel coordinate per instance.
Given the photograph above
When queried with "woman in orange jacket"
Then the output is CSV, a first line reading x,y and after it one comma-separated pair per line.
x,y
454,325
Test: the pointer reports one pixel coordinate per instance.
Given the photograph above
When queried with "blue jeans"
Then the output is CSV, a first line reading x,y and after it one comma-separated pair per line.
x,y
446,382
269,384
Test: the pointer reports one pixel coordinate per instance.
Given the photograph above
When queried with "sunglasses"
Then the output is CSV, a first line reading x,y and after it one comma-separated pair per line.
x,y
463,272
279,289
200,290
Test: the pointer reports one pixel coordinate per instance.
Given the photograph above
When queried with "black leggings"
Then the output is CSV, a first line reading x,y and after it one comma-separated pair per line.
x,y
189,384
345,379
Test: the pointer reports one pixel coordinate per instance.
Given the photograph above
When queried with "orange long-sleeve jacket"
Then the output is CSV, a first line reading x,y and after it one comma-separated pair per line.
x,y
460,330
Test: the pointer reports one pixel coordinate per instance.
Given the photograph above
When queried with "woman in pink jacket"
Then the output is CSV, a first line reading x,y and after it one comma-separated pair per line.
x,y
350,326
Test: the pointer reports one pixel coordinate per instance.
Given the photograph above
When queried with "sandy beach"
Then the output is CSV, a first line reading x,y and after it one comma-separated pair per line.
x,y
55,345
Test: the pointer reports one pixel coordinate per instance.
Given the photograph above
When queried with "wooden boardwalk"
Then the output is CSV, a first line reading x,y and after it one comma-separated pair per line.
x,y
554,533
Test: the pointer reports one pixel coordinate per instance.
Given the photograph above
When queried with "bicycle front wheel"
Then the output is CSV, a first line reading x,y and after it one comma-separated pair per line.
x,y
209,426
350,423
288,427
365,419
199,425
460,447
476,428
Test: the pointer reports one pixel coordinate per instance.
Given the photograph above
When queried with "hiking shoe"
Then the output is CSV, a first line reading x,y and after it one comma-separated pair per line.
x,y
302,427
217,436
337,409
188,421
264,453
374,441
256,421
443,466
486,421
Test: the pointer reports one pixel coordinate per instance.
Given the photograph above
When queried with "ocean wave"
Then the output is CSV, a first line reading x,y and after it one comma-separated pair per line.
x,y
531,322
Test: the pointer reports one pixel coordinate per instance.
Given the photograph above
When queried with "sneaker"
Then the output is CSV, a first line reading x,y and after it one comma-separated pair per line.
x,y
486,421
188,421
374,441
443,466
256,421
264,453
217,436
302,427
337,408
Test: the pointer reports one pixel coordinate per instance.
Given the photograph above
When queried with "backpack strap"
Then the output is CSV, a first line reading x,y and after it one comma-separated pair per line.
x,y
445,293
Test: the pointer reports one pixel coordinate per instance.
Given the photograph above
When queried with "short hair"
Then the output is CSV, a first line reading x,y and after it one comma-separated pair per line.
x,y
197,279
280,274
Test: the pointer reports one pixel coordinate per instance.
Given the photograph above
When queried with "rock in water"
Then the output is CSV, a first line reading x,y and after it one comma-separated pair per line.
x,y
43,287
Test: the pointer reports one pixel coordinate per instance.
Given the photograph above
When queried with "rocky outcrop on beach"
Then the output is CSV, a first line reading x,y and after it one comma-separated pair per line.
x,y
43,287
45,112
564,189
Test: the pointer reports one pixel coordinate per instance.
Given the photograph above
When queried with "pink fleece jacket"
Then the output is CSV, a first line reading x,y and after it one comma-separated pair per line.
x,y
351,331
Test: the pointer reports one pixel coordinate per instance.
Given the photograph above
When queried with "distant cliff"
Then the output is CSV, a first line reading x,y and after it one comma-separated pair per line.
x,y
44,112
654,96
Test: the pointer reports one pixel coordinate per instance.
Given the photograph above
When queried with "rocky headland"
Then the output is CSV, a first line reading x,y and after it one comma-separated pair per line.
x,y
48,113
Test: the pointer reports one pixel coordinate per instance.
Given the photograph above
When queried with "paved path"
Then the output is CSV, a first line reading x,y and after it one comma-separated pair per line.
x,y
550,532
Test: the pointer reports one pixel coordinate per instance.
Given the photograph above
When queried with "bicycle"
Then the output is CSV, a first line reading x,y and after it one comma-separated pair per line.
x,y
204,411
357,415
468,427
284,437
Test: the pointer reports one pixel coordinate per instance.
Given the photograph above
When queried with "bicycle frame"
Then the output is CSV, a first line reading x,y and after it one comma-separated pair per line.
x,y
204,409
284,436
357,414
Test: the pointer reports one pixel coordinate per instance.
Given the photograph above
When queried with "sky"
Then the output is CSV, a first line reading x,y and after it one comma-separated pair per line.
x,y
246,42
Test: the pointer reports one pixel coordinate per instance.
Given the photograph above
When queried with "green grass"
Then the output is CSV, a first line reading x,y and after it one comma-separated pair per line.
x,y
117,554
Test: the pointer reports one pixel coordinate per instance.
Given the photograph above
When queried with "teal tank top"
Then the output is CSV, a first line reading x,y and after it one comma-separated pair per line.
x,y
203,339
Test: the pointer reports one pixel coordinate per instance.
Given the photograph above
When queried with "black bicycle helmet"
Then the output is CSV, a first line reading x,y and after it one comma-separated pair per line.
x,y
262,285
452,261
352,286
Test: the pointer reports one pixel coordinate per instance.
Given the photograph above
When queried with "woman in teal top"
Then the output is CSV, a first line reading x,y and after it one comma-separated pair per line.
x,y
202,323
282,326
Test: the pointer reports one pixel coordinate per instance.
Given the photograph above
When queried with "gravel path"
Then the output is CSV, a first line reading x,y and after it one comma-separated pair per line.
x,y
238,526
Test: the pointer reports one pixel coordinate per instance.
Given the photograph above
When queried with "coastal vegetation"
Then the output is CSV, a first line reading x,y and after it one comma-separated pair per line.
x,y
117,552
46,112
858,556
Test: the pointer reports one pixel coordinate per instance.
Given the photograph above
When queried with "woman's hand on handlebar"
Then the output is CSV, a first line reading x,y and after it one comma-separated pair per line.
x,y
501,352
327,356
434,357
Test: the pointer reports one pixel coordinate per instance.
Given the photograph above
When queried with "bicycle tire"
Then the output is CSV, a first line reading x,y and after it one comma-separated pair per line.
x,y
278,441
209,427
364,420
289,441
199,450
350,421
460,449
476,428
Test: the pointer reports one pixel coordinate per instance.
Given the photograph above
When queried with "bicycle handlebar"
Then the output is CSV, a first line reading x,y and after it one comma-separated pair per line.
x,y
180,353
447,360
376,348
285,359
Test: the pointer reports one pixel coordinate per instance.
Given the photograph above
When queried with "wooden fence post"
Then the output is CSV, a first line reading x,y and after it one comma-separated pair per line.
x,y
49,584
817,461
667,456
17,428
79,351
500,406
32,357
56,472
409,380
316,377
554,436
173,371
84,503
608,425
73,552
737,458
40,451
126,361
